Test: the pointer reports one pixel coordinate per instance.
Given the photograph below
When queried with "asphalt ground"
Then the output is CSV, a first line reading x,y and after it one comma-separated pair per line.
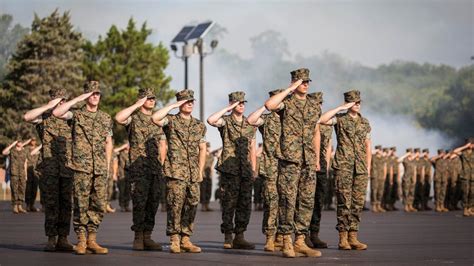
x,y
394,238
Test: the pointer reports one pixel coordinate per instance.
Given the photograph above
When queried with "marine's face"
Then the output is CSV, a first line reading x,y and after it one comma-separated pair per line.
x,y
303,88
187,107
150,103
356,107
240,108
94,99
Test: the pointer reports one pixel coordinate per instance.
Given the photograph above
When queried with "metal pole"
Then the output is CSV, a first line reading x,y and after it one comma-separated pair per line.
x,y
185,72
201,85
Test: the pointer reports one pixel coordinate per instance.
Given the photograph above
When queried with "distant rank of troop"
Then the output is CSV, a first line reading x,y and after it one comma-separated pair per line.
x,y
167,160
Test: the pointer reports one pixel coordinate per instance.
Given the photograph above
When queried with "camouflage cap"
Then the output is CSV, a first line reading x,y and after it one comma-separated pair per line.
x,y
446,151
302,73
385,149
440,151
393,148
57,93
378,147
275,92
416,149
91,86
352,96
426,150
409,150
318,96
237,96
185,95
146,92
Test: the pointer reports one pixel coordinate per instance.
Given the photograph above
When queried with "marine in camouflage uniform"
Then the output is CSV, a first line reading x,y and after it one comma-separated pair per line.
x,y
420,181
298,161
467,176
258,187
183,168
385,180
409,180
18,170
394,192
425,190
56,181
269,126
123,179
32,178
144,168
236,166
453,190
321,180
206,184
91,153
377,170
351,164
440,180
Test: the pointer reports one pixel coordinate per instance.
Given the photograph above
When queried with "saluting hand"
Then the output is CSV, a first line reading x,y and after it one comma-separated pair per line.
x,y
295,84
232,106
177,104
84,96
141,101
347,106
54,102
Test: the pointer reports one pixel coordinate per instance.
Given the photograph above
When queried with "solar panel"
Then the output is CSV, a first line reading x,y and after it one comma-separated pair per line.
x,y
200,30
182,35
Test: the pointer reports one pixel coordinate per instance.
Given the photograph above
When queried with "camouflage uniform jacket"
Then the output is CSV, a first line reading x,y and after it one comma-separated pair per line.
x,y
410,168
236,140
427,164
394,164
419,164
56,137
298,121
89,133
441,168
184,137
144,138
270,130
326,135
17,161
351,152
454,167
467,159
377,166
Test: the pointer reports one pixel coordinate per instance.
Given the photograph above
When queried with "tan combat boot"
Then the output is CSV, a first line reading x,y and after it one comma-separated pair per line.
x,y
174,244
412,208
109,209
63,244
51,245
444,209
437,208
287,250
343,244
81,246
93,246
381,209
15,209
20,209
466,212
407,208
240,242
317,243
278,242
228,240
355,244
301,247
188,246
269,243
375,207
32,208
208,208
138,241
148,243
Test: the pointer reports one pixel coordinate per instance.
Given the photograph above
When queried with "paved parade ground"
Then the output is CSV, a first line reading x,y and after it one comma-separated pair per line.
x,y
395,238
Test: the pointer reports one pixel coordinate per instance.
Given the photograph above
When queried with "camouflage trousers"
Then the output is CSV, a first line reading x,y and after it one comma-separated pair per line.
x,y
321,190
236,202
145,191
206,190
31,187
17,187
257,190
408,187
441,185
110,189
182,201
90,201
468,192
123,184
296,189
270,206
350,193
377,186
57,193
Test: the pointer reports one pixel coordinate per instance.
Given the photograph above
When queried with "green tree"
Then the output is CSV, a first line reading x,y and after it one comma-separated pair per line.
x,y
124,61
9,37
49,57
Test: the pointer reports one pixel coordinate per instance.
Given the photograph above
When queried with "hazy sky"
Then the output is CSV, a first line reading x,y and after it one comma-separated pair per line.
x,y
371,32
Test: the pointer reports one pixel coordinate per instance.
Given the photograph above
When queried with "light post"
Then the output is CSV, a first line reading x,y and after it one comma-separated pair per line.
x,y
202,53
